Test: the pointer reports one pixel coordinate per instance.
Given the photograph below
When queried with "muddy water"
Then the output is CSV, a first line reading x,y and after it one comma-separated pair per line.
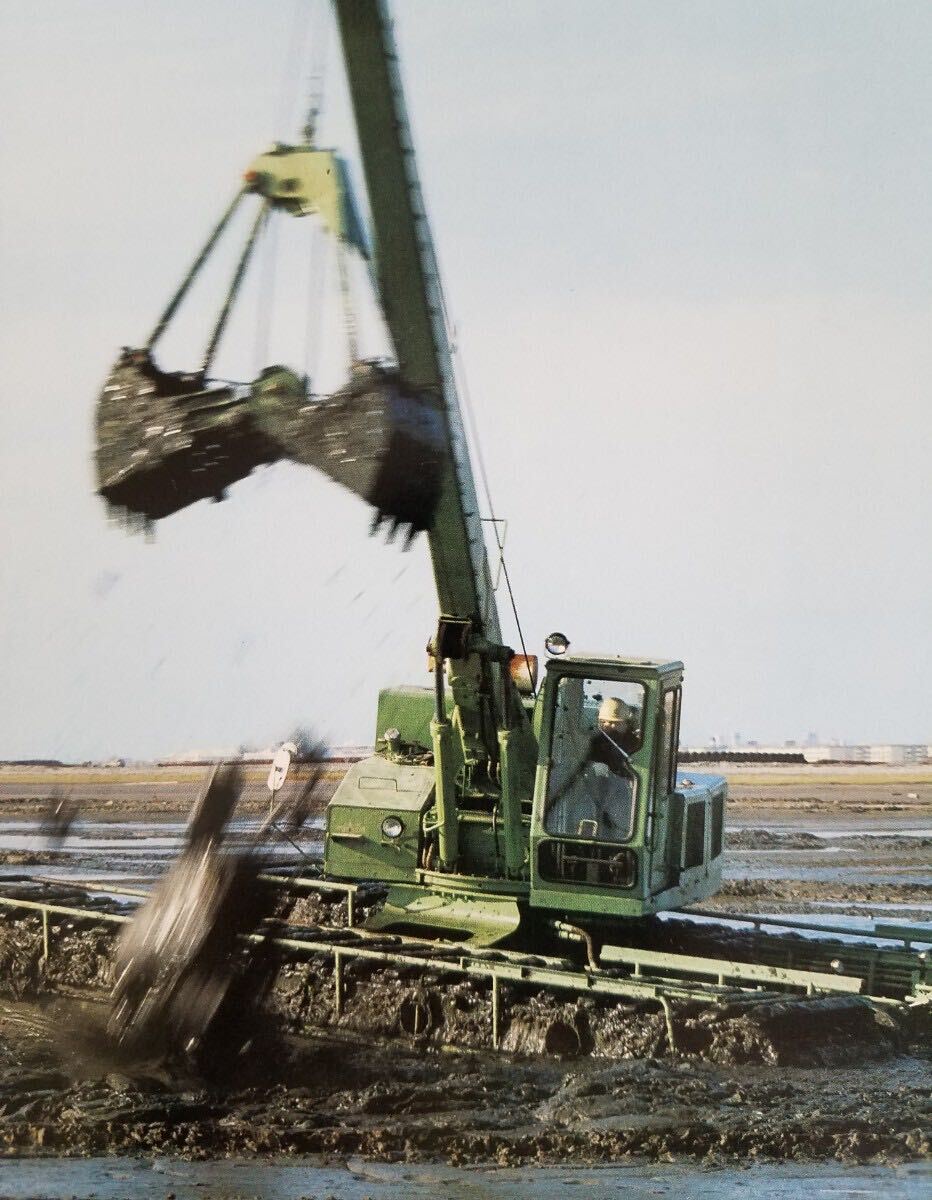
x,y
122,851
103,1179
345,1093
856,870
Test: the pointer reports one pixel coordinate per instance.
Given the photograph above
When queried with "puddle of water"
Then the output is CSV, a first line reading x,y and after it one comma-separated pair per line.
x,y
36,841
820,850
859,926
114,1179
131,837
854,831
851,875
871,905
840,831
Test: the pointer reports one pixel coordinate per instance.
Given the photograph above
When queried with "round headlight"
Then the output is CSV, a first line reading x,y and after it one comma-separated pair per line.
x,y
557,643
393,827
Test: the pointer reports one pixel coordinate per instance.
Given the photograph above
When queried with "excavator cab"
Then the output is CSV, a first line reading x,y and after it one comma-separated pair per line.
x,y
615,830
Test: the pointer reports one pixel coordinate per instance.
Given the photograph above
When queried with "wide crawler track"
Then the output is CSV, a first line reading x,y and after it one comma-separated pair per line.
x,y
760,966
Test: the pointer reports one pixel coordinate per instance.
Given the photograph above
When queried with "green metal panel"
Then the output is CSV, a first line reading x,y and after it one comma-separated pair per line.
x,y
476,919
372,790
659,963
304,180
482,847
410,710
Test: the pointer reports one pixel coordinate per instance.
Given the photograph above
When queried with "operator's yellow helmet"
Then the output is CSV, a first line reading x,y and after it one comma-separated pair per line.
x,y
613,711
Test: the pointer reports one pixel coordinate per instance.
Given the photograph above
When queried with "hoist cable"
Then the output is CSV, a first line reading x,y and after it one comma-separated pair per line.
x,y
350,325
235,282
172,308
297,47
266,294
483,473
320,42
316,288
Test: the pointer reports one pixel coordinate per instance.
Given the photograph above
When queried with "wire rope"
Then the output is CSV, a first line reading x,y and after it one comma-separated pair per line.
x,y
316,289
235,282
175,302
300,30
265,300
469,412
320,44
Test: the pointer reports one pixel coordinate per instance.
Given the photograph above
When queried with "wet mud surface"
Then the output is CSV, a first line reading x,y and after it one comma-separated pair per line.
x,y
151,793
835,1079
355,1178
404,1074
398,1101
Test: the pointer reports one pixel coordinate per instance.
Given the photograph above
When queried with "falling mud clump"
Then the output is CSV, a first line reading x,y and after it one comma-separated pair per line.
x,y
188,981
60,813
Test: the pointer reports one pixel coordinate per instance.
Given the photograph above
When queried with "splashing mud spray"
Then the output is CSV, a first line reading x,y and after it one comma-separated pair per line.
x,y
190,976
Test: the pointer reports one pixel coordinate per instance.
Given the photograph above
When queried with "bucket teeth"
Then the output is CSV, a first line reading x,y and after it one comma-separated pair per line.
x,y
394,524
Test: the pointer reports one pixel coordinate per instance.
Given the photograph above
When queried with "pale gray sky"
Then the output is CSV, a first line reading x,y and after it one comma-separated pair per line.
x,y
687,247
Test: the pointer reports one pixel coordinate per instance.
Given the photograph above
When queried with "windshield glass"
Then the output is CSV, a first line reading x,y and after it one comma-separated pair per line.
x,y
597,726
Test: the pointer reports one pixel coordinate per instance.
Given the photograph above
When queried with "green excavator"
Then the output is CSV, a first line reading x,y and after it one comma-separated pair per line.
x,y
492,802
517,839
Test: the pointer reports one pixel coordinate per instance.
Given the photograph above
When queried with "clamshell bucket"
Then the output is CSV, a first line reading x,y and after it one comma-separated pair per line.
x,y
373,437
166,440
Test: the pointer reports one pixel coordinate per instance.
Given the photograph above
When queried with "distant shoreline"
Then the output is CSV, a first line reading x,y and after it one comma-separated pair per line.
x,y
759,793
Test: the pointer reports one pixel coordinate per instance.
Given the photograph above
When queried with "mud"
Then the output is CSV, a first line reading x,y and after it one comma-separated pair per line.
x,y
404,1074
794,891
401,1102
31,858
776,840
154,793
79,961
387,1003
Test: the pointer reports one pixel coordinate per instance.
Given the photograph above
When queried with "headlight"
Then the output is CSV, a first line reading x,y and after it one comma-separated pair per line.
x,y
393,827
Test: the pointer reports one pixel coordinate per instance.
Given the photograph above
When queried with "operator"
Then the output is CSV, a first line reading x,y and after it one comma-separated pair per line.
x,y
607,777
618,729
596,801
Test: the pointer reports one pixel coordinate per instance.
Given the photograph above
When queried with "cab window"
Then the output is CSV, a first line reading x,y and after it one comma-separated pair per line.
x,y
668,741
598,724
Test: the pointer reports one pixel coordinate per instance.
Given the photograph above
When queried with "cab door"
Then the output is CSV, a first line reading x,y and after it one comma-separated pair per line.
x,y
662,823
587,821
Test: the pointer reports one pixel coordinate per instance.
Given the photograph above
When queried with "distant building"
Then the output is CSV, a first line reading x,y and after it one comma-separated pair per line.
x,y
889,753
